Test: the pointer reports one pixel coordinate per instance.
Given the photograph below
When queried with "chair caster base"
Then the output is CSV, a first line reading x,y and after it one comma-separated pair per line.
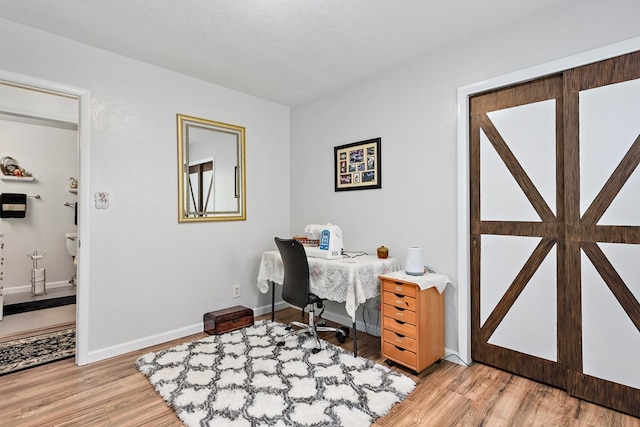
x,y
343,334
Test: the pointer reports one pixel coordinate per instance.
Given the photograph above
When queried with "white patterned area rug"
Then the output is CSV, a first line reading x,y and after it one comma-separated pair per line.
x,y
242,378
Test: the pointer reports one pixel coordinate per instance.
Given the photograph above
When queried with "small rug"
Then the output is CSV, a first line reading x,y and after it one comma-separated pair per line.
x,y
242,378
28,352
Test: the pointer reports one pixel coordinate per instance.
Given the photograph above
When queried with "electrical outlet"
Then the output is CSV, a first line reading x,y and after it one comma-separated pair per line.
x,y
236,291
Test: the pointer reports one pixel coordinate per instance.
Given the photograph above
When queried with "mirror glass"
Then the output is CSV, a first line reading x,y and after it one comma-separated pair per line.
x,y
211,170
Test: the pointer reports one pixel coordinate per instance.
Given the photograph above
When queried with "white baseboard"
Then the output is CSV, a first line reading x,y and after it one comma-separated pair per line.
x,y
338,318
347,321
27,288
450,355
453,356
127,347
258,311
135,345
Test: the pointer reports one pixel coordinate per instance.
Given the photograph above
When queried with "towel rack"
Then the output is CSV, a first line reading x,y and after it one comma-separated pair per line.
x,y
37,196
71,205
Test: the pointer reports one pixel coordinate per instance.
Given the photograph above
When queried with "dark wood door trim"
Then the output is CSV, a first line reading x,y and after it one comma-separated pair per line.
x,y
615,283
516,169
526,365
614,184
515,289
606,72
548,229
606,393
603,233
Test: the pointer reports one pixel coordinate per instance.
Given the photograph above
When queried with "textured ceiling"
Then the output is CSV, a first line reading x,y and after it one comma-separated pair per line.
x,y
286,51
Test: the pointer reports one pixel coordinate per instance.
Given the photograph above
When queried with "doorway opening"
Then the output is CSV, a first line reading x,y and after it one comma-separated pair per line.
x,y
41,123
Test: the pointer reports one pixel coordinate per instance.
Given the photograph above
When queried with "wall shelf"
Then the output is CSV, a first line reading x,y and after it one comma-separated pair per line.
x,y
16,178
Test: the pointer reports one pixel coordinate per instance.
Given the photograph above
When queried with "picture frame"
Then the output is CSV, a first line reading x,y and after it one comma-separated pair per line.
x,y
358,165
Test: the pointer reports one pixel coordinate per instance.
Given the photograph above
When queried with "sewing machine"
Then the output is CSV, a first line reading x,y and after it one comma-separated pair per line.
x,y
329,237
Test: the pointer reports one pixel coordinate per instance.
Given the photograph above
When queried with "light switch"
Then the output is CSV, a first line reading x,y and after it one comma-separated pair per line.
x,y
101,200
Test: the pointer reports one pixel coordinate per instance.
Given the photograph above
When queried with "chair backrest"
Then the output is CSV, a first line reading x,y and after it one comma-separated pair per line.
x,y
295,287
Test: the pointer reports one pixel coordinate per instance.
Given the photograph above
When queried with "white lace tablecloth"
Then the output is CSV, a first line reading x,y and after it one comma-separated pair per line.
x,y
348,280
426,281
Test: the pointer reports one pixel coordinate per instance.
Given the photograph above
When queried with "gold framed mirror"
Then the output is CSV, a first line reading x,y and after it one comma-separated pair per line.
x,y
211,170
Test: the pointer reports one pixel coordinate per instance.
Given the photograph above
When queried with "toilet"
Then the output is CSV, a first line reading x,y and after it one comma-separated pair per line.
x,y
72,247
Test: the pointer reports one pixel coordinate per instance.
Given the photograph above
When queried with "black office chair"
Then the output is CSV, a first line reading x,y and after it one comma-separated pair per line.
x,y
296,291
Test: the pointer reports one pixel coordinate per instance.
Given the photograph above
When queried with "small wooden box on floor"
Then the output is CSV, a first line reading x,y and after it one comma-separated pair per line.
x,y
227,319
412,323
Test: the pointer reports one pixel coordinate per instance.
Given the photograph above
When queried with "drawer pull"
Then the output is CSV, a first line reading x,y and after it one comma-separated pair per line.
x,y
400,299
399,348
399,314
399,288
399,321
400,340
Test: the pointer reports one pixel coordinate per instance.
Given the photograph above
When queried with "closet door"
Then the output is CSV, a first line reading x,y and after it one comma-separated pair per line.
x,y
555,230
603,231
516,179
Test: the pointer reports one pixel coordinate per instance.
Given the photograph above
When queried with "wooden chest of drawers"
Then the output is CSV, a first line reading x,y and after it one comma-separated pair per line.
x,y
412,324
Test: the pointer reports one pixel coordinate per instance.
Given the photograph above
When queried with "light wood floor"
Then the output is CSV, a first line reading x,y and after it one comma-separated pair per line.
x,y
114,393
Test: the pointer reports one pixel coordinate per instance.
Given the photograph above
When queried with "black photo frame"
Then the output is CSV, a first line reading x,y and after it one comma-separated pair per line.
x,y
357,165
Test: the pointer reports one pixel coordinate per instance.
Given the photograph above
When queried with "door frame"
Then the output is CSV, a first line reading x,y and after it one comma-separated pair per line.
x,y
463,193
83,159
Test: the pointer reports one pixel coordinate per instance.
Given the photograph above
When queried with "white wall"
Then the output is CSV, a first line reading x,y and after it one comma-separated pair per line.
x,y
149,277
413,109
